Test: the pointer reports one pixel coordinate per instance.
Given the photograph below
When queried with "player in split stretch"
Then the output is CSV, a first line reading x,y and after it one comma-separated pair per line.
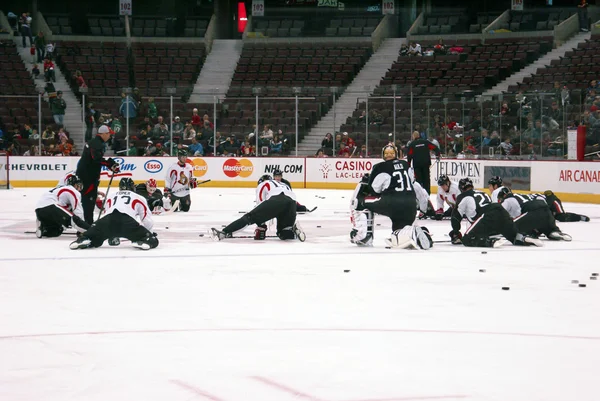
x,y
119,221
531,215
487,219
388,190
60,208
278,176
152,194
557,209
89,169
274,200
447,193
179,181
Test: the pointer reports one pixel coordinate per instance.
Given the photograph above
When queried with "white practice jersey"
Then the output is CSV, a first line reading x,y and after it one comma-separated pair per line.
x,y
269,188
495,194
131,204
422,197
66,197
178,179
63,181
447,197
512,206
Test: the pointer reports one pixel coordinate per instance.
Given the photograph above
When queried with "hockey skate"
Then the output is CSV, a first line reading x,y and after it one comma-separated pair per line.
x,y
38,229
141,245
523,240
81,243
300,235
217,235
114,241
559,236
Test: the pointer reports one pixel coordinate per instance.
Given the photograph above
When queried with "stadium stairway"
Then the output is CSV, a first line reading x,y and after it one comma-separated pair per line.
x,y
217,71
345,105
543,61
73,118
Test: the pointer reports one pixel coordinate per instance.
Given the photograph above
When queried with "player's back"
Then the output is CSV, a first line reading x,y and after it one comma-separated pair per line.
x,y
472,203
128,202
62,195
392,177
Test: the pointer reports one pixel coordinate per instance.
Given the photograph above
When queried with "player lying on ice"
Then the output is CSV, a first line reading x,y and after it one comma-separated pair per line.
x,y
274,200
389,191
120,221
60,208
487,220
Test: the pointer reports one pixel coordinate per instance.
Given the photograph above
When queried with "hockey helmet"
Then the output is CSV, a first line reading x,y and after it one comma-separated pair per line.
x,y
503,194
495,180
465,184
151,186
182,154
126,184
75,182
548,193
265,177
443,179
387,148
277,172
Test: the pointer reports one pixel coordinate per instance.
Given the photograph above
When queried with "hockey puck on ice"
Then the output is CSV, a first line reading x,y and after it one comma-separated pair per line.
x,y
582,285
388,247
594,274
202,235
318,226
346,271
574,281
593,278
506,288
378,225
166,228
481,270
484,252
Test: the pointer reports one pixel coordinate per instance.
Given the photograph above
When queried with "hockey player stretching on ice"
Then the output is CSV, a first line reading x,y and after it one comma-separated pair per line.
x,y
60,208
179,181
389,191
274,200
557,209
486,218
447,192
152,194
119,221
531,215
278,176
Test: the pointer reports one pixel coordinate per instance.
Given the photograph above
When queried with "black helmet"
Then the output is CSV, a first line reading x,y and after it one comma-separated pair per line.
x,y
495,180
73,180
503,194
443,179
264,178
277,172
126,184
464,183
182,152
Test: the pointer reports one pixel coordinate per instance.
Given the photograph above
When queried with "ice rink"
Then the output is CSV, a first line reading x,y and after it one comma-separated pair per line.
x,y
245,320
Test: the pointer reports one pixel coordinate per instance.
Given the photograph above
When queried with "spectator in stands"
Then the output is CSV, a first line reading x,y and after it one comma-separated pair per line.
x,y
205,119
49,70
219,141
206,131
13,149
485,138
320,154
593,86
362,119
348,142
506,147
178,127
48,134
376,118
403,50
582,13
128,108
189,132
196,148
26,29
40,46
65,147
32,151
266,136
494,140
62,134
232,145
26,132
363,151
34,135
58,107
161,151
150,149
160,131
90,118
116,125
431,138
414,49
439,48
137,96
275,146
196,120
248,149
152,110
79,79
327,144
35,71
338,143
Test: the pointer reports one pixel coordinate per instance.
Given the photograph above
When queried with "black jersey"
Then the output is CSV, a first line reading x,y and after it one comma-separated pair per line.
x,y
141,189
391,177
92,159
472,204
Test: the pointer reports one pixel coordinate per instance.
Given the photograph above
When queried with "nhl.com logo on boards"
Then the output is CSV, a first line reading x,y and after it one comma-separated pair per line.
x,y
238,168
354,169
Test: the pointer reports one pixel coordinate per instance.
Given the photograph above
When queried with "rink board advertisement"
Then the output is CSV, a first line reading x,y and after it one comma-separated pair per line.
x,y
575,181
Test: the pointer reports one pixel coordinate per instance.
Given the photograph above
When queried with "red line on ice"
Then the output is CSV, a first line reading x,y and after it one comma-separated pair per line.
x,y
196,390
285,388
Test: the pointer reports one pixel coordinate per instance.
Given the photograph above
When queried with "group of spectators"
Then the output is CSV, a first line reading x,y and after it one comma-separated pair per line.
x,y
25,142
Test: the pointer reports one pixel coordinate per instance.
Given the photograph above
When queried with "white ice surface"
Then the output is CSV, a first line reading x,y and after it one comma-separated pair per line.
x,y
244,320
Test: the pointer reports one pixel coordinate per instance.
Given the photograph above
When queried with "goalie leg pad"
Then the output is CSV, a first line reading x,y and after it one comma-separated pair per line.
x,y
411,237
362,233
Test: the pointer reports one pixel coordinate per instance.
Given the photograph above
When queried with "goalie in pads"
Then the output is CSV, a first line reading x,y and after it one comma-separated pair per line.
x,y
389,191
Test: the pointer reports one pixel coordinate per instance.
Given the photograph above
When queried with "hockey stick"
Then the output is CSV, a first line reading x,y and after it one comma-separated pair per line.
x,y
33,232
244,236
106,197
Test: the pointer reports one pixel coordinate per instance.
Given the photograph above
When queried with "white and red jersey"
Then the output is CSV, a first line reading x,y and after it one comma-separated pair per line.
x,y
63,181
447,197
269,188
495,193
178,179
66,197
131,204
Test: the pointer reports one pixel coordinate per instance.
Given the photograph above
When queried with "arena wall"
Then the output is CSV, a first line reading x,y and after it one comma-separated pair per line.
x,y
572,181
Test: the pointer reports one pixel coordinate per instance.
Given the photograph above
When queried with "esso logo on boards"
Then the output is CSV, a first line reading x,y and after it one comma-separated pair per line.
x,y
153,166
